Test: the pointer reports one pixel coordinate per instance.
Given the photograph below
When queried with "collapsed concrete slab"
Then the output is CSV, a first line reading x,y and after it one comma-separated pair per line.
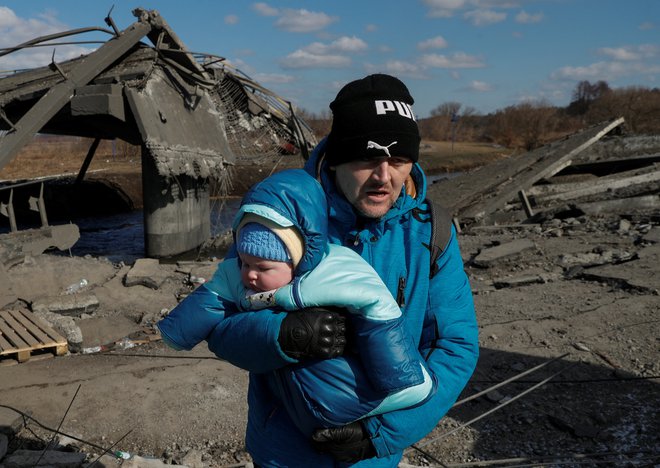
x,y
620,206
476,195
492,255
597,257
70,304
523,280
64,324
640,274
15,246
146,272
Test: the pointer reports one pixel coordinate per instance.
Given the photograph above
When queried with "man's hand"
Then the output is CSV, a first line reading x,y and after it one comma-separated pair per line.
x,y
315,332
348,443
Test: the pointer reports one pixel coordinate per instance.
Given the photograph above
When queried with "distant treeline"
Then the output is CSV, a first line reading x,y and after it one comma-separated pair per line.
x,y
529,125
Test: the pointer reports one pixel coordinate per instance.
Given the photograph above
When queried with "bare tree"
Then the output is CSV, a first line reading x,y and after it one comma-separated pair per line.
x,y
469,111
584,94
446,109
639,106
523,125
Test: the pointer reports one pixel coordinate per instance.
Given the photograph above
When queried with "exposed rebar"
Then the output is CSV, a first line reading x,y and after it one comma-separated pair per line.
x,y
576,458
37,40
492,410
507,381
57,431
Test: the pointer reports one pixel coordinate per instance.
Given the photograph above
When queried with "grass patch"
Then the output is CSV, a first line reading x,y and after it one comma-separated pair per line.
x,y
442,156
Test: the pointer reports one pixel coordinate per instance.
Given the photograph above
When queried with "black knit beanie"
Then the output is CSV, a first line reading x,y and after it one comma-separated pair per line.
x,y
372,117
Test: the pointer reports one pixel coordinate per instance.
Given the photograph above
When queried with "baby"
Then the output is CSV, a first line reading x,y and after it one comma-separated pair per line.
x,y
283,260
266,264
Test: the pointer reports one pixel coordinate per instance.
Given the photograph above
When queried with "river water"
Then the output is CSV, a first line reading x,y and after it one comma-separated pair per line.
x,y
120,237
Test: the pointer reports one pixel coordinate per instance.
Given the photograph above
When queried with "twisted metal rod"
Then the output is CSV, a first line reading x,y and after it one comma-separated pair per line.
x,y
492,410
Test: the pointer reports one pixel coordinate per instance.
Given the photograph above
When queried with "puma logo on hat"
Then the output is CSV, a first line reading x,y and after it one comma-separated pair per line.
x,y
374,145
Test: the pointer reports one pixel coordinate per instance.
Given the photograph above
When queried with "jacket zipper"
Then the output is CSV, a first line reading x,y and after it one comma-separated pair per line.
x,y
401,293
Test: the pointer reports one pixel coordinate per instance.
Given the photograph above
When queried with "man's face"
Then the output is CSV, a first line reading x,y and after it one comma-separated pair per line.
x,y
372,185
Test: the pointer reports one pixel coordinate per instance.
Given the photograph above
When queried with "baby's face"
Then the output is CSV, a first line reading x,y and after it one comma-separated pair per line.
x,y
259,274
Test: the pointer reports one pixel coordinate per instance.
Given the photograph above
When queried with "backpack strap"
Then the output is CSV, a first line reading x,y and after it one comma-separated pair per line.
x,y
441,223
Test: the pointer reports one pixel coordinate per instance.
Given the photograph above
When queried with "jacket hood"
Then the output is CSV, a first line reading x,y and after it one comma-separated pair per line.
x,y
291,198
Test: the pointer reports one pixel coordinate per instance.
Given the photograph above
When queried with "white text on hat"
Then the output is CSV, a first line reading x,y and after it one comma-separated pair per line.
x,y
385,106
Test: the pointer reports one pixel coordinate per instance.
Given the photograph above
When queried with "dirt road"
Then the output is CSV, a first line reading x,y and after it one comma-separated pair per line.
x,y
578,295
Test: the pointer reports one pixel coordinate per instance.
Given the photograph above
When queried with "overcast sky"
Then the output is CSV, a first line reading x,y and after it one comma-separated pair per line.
x,y
485,54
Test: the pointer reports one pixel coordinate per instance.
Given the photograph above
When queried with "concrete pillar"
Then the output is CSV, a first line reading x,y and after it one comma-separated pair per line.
x,y
176,211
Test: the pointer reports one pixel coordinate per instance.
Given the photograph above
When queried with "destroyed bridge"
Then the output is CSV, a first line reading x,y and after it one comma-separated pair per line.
x,y
192,114
194,117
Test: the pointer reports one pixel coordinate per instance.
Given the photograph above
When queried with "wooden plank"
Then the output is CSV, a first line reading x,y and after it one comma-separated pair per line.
x,y
601,167
47,335
47,329
62,349
20,330
33,329
4,344
17,343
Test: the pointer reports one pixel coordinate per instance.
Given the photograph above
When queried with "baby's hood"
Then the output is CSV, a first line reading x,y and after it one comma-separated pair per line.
x,y
291,198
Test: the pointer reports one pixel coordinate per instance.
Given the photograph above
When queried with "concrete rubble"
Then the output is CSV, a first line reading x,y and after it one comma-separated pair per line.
x,y
640,274
16,246
73,304
146,272
491,255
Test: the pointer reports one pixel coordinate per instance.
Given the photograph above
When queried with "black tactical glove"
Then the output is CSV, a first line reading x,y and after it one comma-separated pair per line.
x,y
349,443
315,332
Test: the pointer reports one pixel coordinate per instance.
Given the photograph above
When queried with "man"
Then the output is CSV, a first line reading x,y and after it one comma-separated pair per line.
x,y
375,191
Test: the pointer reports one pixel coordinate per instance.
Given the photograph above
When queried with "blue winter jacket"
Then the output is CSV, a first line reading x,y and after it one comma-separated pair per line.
x,y
438,312
387,372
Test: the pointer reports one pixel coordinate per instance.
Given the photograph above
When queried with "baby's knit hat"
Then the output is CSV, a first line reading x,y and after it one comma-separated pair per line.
x,y
262,238
372,117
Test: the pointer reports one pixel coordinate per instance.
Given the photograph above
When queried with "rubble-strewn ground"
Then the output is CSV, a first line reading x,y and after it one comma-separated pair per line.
x,y
574,297
551,299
